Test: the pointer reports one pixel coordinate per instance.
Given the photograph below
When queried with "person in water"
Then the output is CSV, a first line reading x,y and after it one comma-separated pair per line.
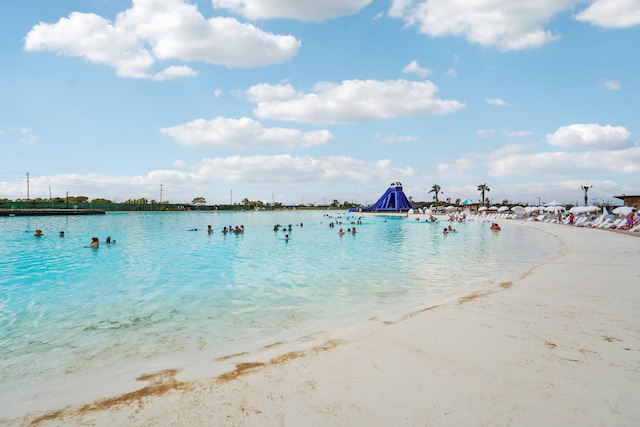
x,y
95,242
38,233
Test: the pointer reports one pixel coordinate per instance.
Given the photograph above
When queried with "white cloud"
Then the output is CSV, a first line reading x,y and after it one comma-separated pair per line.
x,y
496,102
590,135
483,133
303,10
350,101
243,133
611,13
174,29
459,167
611,84
392,139
290,170
566,164
413,67
505,24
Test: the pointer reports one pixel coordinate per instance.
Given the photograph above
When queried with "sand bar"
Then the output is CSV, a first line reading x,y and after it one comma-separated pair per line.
x,y
558,347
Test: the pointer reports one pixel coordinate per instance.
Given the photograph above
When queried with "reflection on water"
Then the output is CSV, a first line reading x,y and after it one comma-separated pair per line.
x,y
165,294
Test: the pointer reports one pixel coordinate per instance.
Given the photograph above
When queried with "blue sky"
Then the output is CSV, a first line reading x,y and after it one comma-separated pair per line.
x,y
301,101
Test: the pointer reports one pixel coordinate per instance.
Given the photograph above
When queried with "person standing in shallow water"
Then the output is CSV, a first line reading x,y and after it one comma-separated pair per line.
x,y
95,242
38,233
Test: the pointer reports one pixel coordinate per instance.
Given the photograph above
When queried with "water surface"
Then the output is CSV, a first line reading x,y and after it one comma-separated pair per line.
x,y
77,323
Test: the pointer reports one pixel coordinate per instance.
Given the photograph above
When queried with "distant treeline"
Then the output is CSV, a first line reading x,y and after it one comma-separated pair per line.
x,y
142,207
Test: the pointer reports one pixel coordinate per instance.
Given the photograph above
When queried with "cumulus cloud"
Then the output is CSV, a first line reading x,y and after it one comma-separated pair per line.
x,y
414,68
243,133
591,136
566,164
350,101
611,13
155,30
458,168
505,24
496,102
287,169
303,10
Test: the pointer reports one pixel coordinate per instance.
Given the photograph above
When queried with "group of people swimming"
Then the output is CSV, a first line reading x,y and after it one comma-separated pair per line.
x,y
95,242
238,229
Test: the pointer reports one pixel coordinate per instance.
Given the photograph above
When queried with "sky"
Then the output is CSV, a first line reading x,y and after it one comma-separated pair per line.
x,y
307,102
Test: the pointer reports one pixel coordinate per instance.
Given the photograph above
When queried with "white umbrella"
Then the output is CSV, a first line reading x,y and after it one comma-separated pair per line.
x,y
482,208
623,210
530,209
554,203
503,208
592,209
553,208
493,208
518,209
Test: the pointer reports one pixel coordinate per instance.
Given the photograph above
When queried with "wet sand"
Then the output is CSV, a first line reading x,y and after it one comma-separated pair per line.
x,y
560,346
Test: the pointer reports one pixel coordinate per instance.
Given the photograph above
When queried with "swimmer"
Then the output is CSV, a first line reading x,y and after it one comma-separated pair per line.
x,y
341,232
209,229
38,233
95,242
62,234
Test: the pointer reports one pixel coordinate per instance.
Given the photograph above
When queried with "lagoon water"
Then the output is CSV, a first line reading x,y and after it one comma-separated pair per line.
x,y
79,323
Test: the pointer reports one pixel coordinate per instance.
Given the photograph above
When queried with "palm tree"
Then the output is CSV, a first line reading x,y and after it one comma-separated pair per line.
x,y
482,188
586,188
435,190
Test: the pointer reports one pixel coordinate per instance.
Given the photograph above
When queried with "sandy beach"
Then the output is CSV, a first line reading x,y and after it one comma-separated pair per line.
x,y
560,346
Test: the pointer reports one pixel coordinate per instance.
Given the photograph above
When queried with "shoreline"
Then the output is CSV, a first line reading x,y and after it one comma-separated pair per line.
x,y
558,346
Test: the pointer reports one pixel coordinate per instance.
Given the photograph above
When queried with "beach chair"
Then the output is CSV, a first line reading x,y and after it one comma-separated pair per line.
x,y
616,223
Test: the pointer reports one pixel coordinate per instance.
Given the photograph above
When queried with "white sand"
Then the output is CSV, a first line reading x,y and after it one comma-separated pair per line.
x,y
559,347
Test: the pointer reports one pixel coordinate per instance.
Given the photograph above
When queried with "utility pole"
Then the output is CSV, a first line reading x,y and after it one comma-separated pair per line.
x,y
27,186
231,197
161,192
586,188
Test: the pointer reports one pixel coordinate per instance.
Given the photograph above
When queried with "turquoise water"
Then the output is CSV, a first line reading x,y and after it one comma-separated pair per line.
x,y
78,323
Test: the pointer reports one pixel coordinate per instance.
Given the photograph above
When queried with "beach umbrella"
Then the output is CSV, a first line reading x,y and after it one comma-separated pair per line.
x,y
577,210
623,210
518,209
503,208
482,208
530,209
467,201
554,203
450,208
493,208
553,208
